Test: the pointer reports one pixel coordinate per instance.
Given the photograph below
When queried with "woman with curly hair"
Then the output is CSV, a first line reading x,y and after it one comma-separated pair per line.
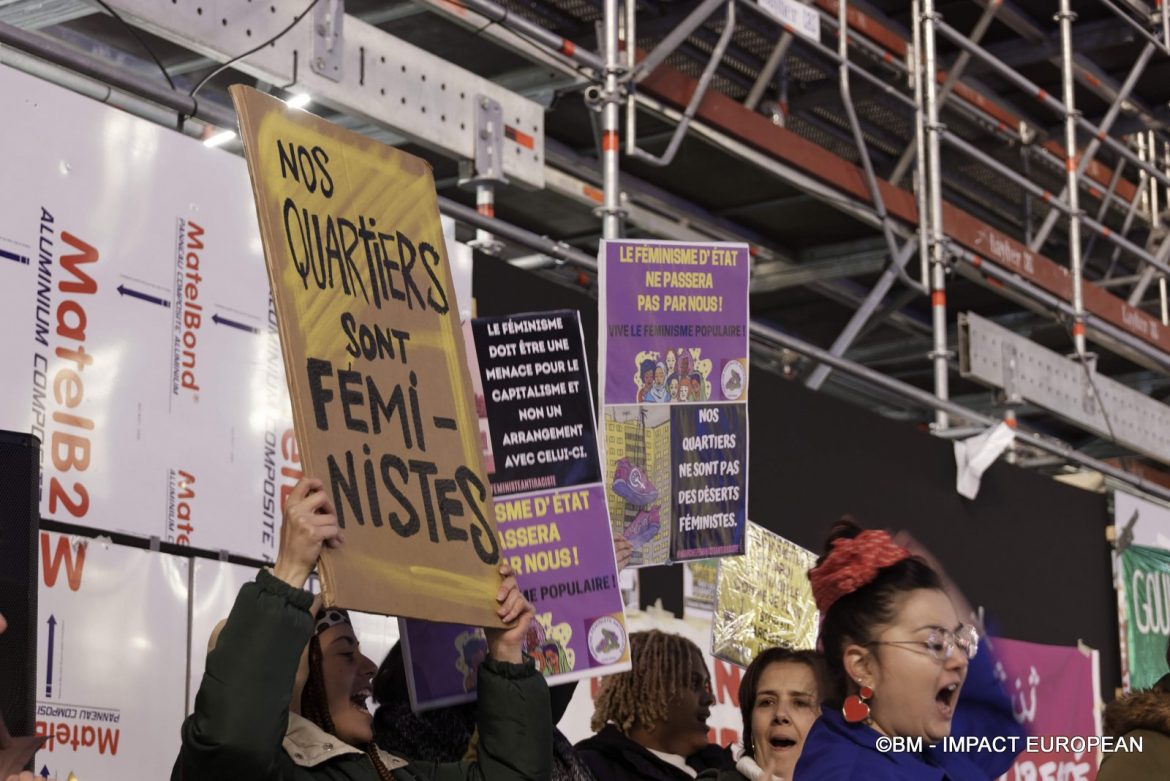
x,y
651,721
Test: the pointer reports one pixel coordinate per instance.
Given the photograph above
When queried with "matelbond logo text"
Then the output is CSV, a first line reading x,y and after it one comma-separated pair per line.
x,y
65,553
78,737
69,438
180,520
188,310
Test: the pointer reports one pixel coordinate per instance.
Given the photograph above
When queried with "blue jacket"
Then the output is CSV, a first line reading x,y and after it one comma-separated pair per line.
x,y
836,750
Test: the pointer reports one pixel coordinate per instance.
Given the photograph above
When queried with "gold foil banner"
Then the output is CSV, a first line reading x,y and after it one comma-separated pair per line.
x,y
763,599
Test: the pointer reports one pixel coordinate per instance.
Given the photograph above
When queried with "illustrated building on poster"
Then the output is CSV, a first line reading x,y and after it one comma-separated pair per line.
x,y
641,436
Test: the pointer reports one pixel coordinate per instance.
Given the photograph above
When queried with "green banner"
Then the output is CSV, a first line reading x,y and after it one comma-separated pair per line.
x,y
1145,598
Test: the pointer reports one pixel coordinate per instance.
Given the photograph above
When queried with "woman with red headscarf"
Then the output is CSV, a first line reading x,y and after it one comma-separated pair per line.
x,y
900,642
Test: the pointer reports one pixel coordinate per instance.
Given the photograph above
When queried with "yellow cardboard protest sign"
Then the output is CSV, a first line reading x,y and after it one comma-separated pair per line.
x,y
375,361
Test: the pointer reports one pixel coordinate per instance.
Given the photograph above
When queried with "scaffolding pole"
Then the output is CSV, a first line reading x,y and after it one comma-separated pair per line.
x,y
899,256
920,196
611,211
1103,209
875,193
779,51
1158,261
1066,17
680,130
1090,152
938,280
953,76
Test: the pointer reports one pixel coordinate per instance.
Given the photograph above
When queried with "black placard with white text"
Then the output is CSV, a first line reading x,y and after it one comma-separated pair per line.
x,y
535,392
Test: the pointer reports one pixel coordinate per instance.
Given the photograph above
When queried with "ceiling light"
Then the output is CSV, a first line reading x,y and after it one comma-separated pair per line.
x,y
219,139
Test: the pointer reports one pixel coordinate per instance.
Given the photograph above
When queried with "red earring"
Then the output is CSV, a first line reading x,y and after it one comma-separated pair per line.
x,y
855,710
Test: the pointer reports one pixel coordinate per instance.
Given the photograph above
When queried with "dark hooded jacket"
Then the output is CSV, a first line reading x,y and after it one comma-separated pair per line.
x,y
611,756
1144,714
241,727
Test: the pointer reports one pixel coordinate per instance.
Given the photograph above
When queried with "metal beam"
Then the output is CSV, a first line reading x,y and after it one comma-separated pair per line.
x,y
769,203
771,335
377,75
996,356
1044,47
1088,74
156,91
766,278
35,16
864,312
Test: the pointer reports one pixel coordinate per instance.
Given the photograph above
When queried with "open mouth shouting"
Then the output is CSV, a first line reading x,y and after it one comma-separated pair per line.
x,y
946,698
782,743
359,698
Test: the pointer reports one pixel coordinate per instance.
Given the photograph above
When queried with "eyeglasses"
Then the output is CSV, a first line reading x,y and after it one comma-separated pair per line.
x,y
941,643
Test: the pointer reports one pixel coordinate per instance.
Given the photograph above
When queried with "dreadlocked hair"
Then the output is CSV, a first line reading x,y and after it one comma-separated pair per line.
x,y
315,708
661,665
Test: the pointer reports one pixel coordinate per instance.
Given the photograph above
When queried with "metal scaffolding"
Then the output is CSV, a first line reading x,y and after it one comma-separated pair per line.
x,y
1046,184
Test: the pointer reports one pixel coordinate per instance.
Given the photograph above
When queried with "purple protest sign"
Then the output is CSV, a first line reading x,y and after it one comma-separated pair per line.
x,y
1054,692
551,540
709,454
537,429
676,322
674,340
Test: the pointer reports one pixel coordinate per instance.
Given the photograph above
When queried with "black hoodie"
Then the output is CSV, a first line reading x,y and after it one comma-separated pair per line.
x,y
611,756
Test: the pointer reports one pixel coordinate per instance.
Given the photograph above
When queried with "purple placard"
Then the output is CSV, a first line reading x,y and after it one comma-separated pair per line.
x,y
566,568
556,539
709,458
676,322
1054,692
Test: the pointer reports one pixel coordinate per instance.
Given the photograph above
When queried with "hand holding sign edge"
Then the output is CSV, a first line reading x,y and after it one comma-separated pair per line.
x,y
310,523
505,644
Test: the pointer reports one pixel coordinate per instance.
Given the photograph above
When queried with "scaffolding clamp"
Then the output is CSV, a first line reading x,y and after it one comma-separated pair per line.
x,y
487,169
328,43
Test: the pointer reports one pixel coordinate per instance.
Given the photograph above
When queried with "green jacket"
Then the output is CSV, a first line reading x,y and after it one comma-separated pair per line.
x,y
1143,715
240,728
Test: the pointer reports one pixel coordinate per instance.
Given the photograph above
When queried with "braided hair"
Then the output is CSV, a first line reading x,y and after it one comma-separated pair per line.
x,y
315,707
661,664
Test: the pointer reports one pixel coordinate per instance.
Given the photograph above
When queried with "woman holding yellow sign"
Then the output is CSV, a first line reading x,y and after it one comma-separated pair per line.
x,y
284,692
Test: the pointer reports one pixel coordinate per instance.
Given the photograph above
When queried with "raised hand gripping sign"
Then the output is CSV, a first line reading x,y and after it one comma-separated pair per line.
x,y
375,362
